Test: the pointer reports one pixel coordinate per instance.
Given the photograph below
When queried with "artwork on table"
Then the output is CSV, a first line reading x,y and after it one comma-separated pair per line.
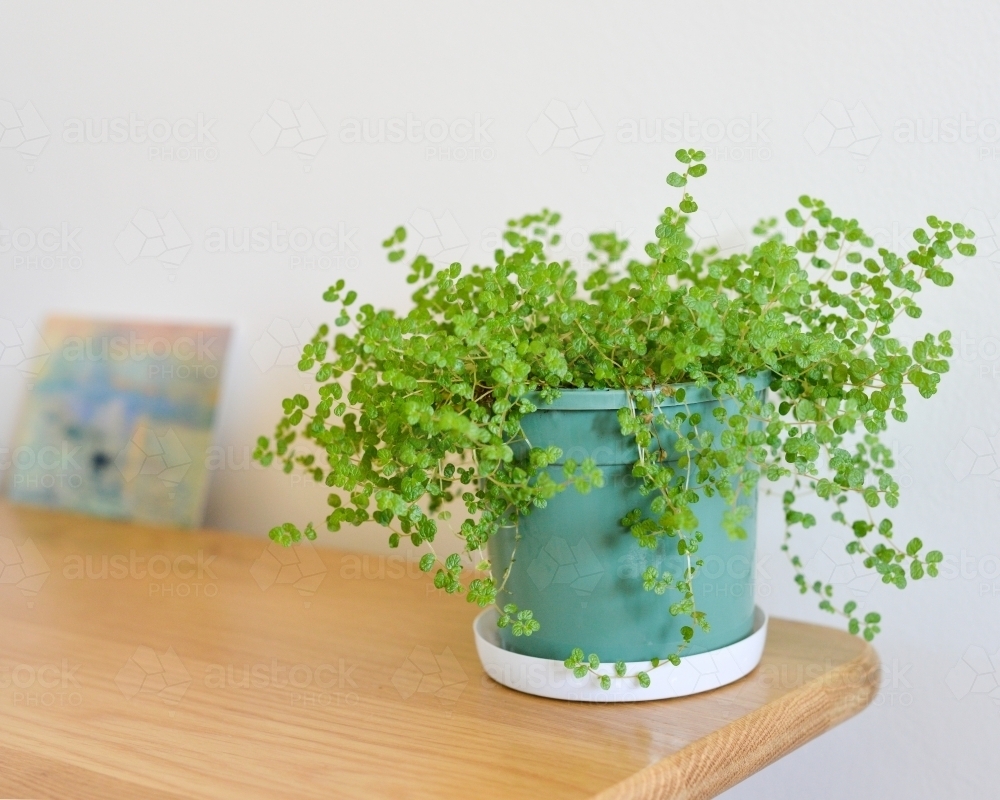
x,y
119,420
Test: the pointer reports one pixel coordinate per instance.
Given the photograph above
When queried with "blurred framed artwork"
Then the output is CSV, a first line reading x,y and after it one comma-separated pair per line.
x,y
119,420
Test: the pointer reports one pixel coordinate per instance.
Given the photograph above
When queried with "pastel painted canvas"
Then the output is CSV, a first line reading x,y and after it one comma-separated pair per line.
x,y
119,420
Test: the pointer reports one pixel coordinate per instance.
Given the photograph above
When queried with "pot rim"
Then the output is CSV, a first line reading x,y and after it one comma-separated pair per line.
x,y
613,399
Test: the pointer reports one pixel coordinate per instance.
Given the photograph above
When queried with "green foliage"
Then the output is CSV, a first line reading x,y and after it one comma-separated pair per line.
x,y
422,410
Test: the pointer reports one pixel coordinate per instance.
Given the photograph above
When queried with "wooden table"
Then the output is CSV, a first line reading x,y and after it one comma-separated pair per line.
x,y
154,663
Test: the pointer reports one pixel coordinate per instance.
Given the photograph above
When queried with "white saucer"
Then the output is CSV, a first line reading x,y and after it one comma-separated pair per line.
x,y
549,678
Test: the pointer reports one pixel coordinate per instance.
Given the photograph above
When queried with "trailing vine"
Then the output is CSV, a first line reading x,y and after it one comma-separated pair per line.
x,y
419,414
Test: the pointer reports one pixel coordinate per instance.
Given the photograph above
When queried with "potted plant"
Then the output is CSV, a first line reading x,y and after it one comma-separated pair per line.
x,y
604,431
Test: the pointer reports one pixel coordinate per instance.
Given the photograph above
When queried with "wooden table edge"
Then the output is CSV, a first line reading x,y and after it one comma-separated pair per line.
x,y
706,768
702,769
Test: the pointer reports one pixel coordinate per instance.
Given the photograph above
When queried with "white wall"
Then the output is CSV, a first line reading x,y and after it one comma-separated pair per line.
x,y
894,64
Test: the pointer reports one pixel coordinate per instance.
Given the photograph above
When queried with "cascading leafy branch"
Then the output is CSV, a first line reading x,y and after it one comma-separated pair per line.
x,y
418,410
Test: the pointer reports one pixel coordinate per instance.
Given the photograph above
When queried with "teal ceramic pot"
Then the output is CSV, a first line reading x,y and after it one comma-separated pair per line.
x,y
580,571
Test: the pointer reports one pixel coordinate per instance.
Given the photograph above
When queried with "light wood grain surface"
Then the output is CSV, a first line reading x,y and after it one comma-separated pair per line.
x,y
198,665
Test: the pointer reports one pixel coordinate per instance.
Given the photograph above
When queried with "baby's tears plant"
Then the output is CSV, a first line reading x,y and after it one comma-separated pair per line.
x,y
420,409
